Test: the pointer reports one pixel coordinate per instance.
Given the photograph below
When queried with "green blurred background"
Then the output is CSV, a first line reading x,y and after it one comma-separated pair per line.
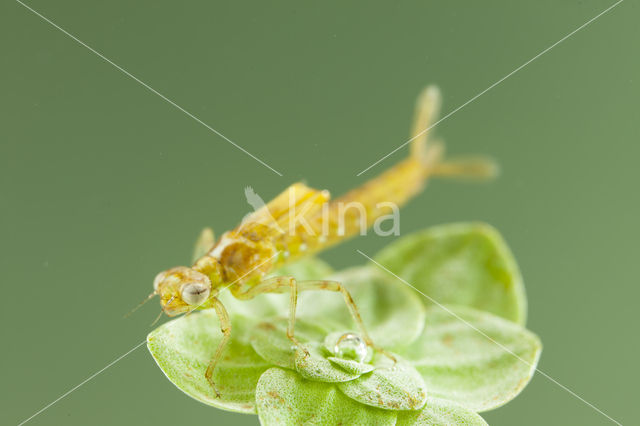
x,y
103,183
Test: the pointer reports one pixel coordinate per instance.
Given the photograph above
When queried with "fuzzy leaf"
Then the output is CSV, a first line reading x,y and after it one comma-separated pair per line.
x,y
473,358
183,347
285,398
392,312
462,264
269,339
440,412
392,386
351,366
316,366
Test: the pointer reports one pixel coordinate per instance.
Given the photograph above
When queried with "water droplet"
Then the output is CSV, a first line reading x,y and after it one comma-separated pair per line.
x,y
350,346
303,247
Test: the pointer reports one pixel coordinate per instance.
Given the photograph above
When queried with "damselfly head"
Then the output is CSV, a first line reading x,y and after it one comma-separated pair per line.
x,y
181,289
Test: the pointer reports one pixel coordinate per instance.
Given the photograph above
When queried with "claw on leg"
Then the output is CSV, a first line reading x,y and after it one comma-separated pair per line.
x,y
225,327
298,344
212,383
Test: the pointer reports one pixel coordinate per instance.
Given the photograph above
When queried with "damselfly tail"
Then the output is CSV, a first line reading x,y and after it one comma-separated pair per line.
x,y
430,153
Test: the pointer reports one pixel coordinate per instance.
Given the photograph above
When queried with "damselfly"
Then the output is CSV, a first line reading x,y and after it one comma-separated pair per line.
x,y
241,259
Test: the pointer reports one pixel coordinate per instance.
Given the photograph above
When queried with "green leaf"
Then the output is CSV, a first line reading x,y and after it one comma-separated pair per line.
x,y
440,412
352,366
473,358
391,311
315,365
392,385
465,264
182,348
269,339
285,398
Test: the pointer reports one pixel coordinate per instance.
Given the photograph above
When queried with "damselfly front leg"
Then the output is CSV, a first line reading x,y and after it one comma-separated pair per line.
x,y
225,328
276,285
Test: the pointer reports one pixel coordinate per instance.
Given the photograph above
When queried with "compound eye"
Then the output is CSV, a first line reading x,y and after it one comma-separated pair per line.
x,y
195,293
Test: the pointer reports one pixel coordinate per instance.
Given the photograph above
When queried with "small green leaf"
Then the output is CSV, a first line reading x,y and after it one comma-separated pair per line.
x,y
392,385
315,365
391,311
285,398
465,264
440,412
351,365
269,339
473,358
182,348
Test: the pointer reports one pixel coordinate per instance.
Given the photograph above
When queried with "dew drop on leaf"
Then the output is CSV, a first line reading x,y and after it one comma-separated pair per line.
x,y
350,346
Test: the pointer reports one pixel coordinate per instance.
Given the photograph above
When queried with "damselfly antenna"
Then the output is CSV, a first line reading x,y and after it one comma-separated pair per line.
x,y
161,312
157,318
149,297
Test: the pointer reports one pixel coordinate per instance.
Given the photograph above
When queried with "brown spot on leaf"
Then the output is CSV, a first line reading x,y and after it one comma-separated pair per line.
x,y
447,339
275,395
267,326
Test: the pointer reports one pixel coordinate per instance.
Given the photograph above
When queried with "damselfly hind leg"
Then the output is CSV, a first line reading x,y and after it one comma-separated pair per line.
x,y
278,285
353,309
225,327
283,284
